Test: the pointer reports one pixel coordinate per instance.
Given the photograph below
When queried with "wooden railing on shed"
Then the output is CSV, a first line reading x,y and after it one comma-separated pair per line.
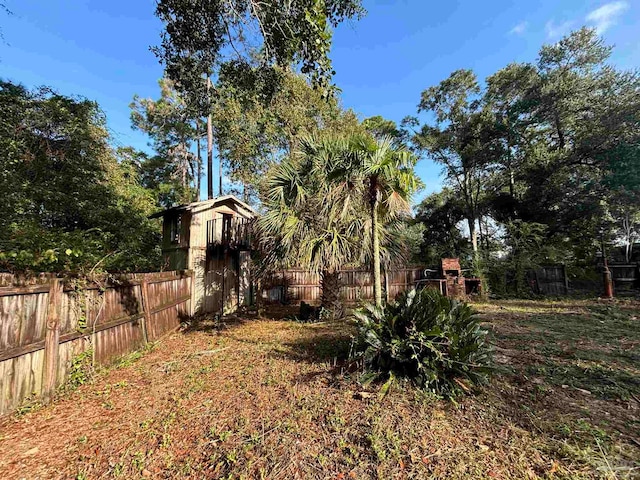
x,y
46,323
235,233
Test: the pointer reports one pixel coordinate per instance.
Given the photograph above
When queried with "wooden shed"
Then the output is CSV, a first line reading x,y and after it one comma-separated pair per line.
x,y
212,238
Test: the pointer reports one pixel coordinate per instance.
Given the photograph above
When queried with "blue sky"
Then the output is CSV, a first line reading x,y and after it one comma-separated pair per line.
x,y
100,49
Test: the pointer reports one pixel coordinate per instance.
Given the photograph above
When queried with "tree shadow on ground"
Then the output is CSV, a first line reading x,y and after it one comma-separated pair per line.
x,y
565,305
320,341
565,367
211,323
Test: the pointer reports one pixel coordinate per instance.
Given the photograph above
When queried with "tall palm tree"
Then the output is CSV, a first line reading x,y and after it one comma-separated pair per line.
x,y
387,180
310,221
335,202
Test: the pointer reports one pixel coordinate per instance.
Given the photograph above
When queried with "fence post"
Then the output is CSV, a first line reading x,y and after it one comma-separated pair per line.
x,y
51,341
146,319
566,279
192,291
538,288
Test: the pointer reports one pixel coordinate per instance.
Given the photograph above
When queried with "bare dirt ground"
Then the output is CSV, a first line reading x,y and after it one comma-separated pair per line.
x,y
266,398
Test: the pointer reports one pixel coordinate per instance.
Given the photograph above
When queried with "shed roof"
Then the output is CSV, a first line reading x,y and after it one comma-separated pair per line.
x,y
205,204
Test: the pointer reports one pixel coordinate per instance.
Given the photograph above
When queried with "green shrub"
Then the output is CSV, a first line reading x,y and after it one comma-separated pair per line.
x,y
435,341
80,370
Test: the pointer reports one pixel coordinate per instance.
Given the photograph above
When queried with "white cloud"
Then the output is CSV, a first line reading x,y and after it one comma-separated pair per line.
x,y
519,29
606,16
555,31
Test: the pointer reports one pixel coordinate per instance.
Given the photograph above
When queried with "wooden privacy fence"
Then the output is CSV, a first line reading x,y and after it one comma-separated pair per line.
x,y
553,279
48,323
297,285
626,277
550,280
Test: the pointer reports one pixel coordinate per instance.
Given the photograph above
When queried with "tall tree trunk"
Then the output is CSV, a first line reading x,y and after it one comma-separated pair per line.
x,y
628,231
330,300
184,179
386,284
377,280
512,182
484,233
558,125
473,233
199,157
219,170
209,145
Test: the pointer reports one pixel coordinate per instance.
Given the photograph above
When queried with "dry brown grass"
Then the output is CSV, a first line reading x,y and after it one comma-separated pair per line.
x,y
275,399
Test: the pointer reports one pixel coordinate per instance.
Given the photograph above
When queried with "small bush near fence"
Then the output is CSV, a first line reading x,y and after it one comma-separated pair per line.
x,y
435,341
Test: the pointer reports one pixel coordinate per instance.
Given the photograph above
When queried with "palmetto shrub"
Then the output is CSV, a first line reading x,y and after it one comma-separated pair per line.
x,y
435,341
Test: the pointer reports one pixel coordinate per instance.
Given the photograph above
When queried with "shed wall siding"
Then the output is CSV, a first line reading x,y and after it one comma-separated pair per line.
x,y
208,279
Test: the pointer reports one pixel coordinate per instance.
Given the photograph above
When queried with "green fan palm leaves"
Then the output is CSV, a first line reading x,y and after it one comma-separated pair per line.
x,y
335,202
384,176
309,220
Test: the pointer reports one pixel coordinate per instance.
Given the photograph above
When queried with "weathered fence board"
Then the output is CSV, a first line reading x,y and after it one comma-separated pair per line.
x,y
626,277
551,280
356,284
41,332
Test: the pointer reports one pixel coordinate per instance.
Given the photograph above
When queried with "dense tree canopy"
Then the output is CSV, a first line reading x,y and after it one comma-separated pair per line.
x,y
68,204
441,213
546,150
203,39
380,127
541,160
201,35
174,129
260,117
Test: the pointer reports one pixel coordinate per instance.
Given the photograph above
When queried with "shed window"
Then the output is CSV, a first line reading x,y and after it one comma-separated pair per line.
x,y
175,227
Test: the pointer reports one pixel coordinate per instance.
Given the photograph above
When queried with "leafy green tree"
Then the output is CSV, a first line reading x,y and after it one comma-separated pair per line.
x,y
173,127
160,178
441,213
69,204
525,243
553,143
201,36
510,96
585,116
623,220
260,115
461,139
387,182
380,128
307,221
